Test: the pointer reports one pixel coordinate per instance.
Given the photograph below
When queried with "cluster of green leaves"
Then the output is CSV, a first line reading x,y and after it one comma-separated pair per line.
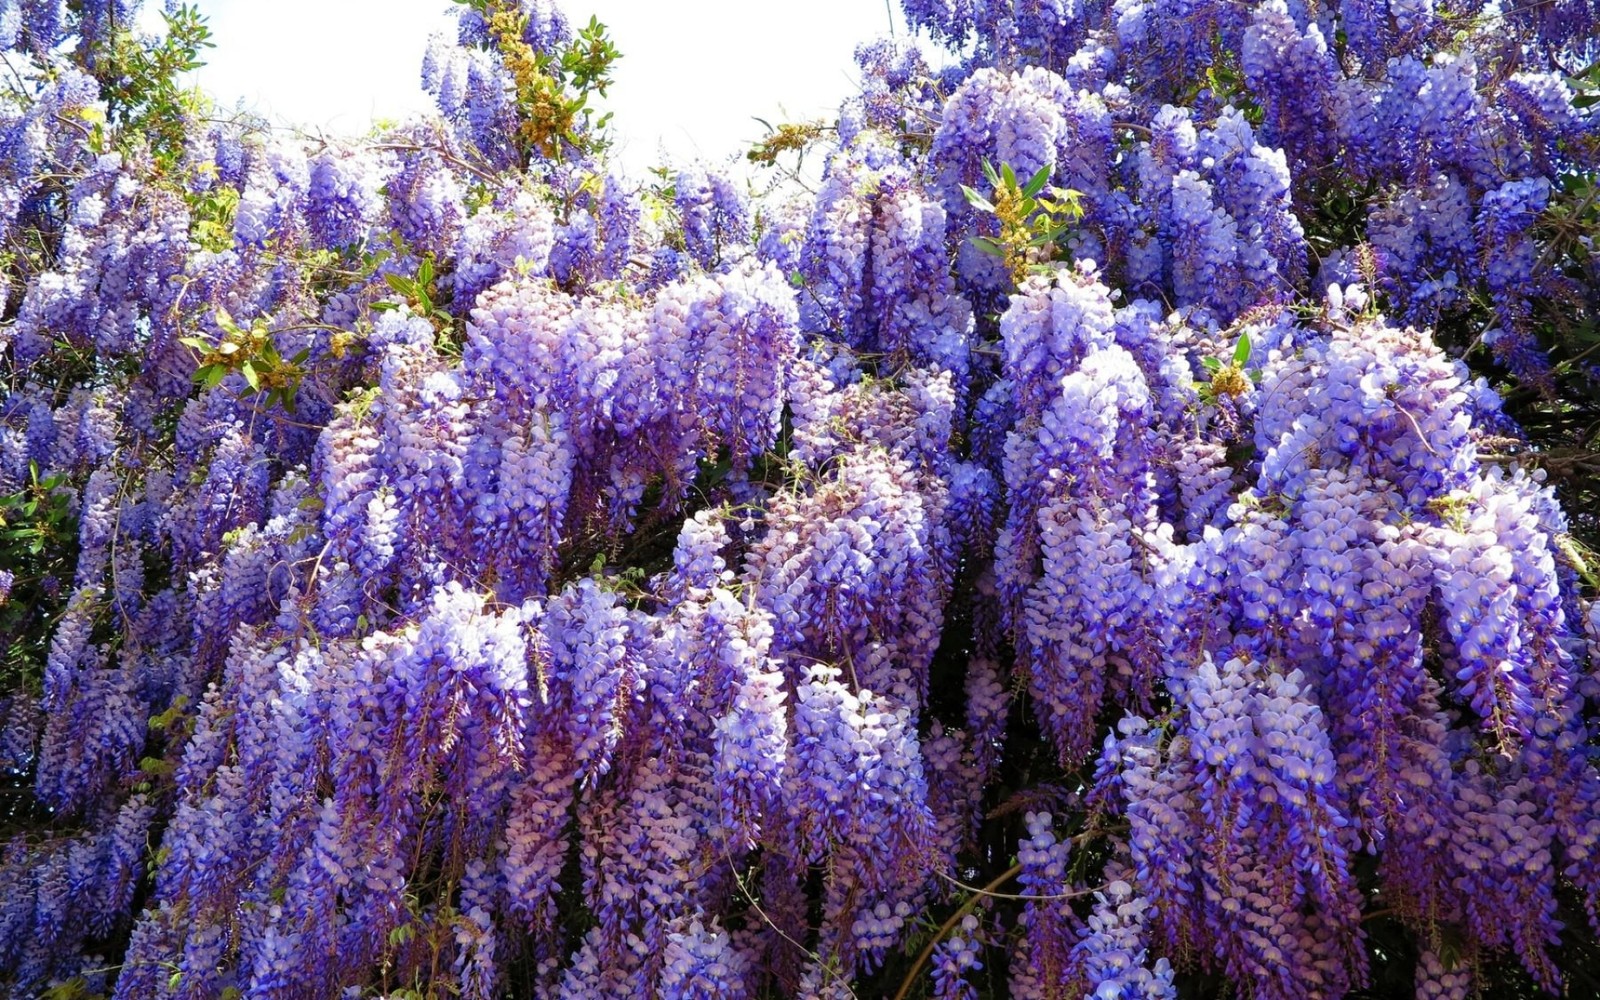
x,y
1586,86
211,217
1221,84
1228,378
420,293
140,80
76,988
585,65
785,137
1032,226
252,353
554,89
34,517
39,547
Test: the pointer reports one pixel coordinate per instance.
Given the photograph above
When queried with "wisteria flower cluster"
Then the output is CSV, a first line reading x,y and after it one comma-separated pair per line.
x,y
441,565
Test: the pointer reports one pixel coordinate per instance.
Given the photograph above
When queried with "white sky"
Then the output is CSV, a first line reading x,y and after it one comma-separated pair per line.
x,y
692,73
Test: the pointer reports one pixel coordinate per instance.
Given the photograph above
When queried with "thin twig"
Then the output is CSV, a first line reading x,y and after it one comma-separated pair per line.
x,y
950,925
1418,428
750,897
1544,259
417,147
1016,896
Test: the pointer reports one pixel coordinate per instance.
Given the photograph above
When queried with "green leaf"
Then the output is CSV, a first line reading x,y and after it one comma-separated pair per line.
x,y
171,715
405,286
248,370
156,767
1008,175
977,200
1241,353
211,375
1037,182
988,245
1211,364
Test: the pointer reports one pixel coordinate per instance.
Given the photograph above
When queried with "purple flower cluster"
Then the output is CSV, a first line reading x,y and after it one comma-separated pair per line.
x,y
434,566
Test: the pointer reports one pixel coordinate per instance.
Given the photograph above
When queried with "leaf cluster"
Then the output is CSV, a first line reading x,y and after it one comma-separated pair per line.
x,y
1228,378
785,137
139,78
420,293
1031,225
553,89
252,353
39,547
211,217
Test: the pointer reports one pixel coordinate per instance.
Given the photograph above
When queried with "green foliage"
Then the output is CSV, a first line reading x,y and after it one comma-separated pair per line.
x,y
553,89
420,294
1228,378
1225,80
785,137
39,546
155,767
211,215
139,78
1031,226
1586,86
173,715
586,63
1222,84
252,353
1337,218
76,988
35,519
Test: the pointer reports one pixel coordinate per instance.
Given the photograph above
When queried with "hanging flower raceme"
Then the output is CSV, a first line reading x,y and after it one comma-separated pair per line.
x,y
1071,559
1371,518
875,266
441,563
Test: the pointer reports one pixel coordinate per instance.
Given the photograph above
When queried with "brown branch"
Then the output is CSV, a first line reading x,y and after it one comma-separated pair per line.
x,y
950,925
